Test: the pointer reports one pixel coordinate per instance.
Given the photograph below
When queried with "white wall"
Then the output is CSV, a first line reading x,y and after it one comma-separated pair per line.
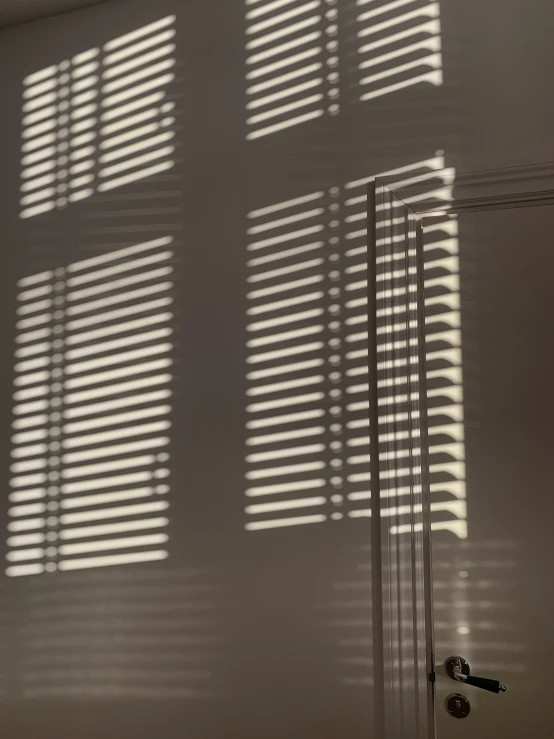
x,y
239,633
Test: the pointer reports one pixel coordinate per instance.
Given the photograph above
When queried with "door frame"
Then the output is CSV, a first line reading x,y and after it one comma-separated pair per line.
x,y
402,570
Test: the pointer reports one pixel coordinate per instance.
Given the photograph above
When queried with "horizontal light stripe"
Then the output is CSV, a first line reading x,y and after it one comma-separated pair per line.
x,y
284,419
280,522
267,7
120,97
47,193
29,451
112,405
120,283
40,88
279,304
106,482
139,33
284,369
87,501
84,70
135,176
115,450
85,83
119,418
136,161
23,570
85,56
125,297
284,505
138,61
27,524
134,77
284,453
287,92
285,436
282,17
284,336
112,528
121,343
285,254
120,387
282,48
25,423
118,268
124,110
67,550
27,510
35,144
20,555
284,287
284,402
121,373
122,152
285,487
112,560
29,351
281,110
292,469
290,318
26,540
116,358
145,460
431,10
23,496
433,78
287,77
282,32
285,124
41,75
288,385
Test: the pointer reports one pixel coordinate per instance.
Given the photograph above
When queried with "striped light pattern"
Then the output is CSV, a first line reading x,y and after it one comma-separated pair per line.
x,y
287,382
292,63
293,424
59,138
99,120
137,128
399,45
92,400
442,286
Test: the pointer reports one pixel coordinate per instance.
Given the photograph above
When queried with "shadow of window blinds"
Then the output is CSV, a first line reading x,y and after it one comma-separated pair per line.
x,y
307,376
98,121
152,634
291,63
399,45
91,411
294,50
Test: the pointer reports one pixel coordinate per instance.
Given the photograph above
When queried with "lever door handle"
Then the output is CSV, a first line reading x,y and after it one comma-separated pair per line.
x,y
458,669
493,686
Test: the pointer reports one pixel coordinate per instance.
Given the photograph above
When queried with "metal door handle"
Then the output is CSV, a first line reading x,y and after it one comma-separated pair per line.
x,y
458,669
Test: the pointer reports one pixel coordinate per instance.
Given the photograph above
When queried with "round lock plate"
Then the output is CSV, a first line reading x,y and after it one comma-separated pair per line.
x,y
457,705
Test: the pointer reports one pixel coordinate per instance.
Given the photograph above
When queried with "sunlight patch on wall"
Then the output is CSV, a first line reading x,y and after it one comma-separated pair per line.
x,y
444,361
291,63
308,441
287,393
98,121
91,414
399,45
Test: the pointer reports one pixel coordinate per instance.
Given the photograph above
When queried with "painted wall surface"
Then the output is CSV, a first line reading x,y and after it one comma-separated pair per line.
x,y
258,620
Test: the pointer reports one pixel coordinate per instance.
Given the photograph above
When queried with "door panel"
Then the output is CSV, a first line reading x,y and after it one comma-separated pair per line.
x,y
493,590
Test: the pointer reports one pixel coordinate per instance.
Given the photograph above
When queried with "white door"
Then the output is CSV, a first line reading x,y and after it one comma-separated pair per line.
x,y
493,583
